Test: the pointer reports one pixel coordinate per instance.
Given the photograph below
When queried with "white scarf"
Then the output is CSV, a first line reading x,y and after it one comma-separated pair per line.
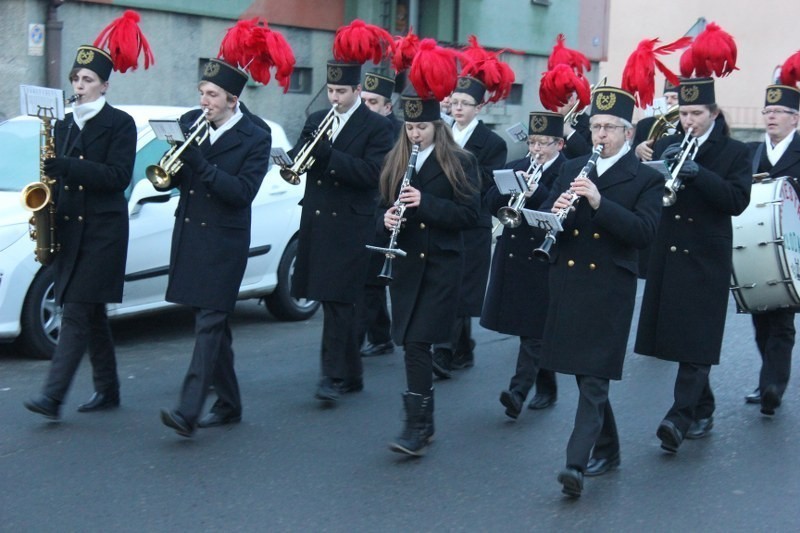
x,y
774,153
462,136
215,134
604,163
83,113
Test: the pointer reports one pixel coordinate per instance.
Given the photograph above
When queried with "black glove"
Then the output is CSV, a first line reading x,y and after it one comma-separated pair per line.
x,y
322,150
689,171
193,157
56,167
671,151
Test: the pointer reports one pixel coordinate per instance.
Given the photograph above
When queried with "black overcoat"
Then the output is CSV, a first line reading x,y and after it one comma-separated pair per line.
x,y
490,150
580,142
516,299
594,268
787,165
91,210
211,238
338,215
688,277
425,288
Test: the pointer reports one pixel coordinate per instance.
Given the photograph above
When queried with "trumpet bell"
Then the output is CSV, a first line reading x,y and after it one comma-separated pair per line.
x,y
289,175
35,196
669,197
509,217
159,177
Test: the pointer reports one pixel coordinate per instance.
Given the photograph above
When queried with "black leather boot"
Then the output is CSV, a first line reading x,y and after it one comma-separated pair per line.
x,y
45,406
418,427
100,401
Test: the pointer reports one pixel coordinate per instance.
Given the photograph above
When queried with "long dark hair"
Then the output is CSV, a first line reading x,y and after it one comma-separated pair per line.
x,y
450,156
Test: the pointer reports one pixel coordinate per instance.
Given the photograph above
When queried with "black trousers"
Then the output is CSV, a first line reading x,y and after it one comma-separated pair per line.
x,y
212,364
775,340
83,326
374,323
528,370
341,355
693,396
595,427
419,367
460,337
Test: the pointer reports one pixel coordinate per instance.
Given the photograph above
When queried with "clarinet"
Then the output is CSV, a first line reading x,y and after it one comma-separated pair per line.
x,y
543,252
391,251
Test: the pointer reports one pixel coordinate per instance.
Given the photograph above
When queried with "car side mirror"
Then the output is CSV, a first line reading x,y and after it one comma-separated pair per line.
x,y
143,193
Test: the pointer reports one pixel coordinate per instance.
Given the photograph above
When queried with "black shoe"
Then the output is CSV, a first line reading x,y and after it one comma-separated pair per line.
x,y
371,350
671,437
700,428
215,419
47,407
542,401
175,420
571,481
600,465
770,400
327,391
753,397
463,360
349,385
441,363
513,403
100,401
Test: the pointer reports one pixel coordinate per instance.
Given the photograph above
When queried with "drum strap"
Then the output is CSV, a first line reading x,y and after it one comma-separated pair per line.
x,y
757,157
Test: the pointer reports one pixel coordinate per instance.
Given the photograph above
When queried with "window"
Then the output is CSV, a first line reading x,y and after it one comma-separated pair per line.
x,y
300,81
515,96
540,2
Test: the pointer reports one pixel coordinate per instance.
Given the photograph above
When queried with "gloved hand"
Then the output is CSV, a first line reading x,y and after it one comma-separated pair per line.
x,y
671,151
193,157
57,167
689,171
322,150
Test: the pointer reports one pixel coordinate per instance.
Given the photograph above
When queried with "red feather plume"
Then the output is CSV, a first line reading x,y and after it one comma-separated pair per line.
x,y
686,64
433,71
361,42
714,52
558,84
124,40
405,47
252,46
638,76
563,55
235,47
486,66
790,71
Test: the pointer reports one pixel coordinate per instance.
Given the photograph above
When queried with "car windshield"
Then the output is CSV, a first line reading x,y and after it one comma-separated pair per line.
x,y
19,154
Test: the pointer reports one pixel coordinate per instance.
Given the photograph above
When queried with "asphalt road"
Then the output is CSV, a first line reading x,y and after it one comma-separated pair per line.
x,y
294,466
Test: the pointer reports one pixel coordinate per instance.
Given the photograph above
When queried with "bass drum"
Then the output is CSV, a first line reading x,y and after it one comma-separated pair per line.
x,y
766,248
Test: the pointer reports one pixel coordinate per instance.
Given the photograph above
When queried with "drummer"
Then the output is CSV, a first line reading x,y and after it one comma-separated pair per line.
x,y
778,155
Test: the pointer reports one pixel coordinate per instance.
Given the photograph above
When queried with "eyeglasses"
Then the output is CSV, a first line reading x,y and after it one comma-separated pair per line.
x,y
460,103
778,112
541,144
607,127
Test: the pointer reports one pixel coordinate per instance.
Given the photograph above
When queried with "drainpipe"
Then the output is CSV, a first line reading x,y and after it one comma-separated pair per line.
x,y
52,45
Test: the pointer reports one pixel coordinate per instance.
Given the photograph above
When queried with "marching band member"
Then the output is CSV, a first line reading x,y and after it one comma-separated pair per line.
x,y
218,181
96,148
338,213
516,299
644,146
490,149
441,199
593,279
778,155
685,300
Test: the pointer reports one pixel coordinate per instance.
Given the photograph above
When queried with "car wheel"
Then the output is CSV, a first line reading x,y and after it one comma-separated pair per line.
x,y
281,303
41,317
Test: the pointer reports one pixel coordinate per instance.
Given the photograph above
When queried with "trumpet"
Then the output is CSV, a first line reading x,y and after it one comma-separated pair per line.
x,y
391,251
543,252
161,175
572,115
510,215
664,124
688,150
304,160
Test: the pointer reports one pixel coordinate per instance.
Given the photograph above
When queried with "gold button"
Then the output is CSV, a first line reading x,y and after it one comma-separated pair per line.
x,y
421,225
570,263
191,191
333,214
186,219
677,217
592,266
596,235
691,219
66,187
422,256
80,187
66,217
203,224
511,256
686,252
513,236
333,172
316,212
80,218
319,182
576,232
673,249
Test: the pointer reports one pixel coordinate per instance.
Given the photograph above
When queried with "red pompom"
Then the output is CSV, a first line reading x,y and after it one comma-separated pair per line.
x,y
713,52
790,71
558,84
563,55
638,77
404,50
433,71
486,66
361,42
125,41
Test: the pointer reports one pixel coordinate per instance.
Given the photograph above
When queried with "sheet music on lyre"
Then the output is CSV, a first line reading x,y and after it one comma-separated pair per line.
x,y
42,102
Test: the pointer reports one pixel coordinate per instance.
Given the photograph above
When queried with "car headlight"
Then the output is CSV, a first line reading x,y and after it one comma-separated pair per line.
x,y
11,234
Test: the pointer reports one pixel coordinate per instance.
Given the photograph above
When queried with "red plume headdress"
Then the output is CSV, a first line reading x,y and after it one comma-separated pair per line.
x,y
558,84
790,71
361,42
125,41
405,48
486,67
433,71
254,47
563,55
712,52
638,76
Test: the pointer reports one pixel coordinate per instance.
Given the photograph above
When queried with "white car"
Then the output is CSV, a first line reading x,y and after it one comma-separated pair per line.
x,y
27,307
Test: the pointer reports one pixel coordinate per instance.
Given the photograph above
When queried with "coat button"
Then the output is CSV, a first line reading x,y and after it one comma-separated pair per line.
x,y
686,252
690,220
576,232
570,263
66,187
673,249
335,183
592,266
422,256
319,182
333,214
203,224
80,187
66,217
208,195
333,172
421,225
186,220
513,236
596,236
511,256
677,217
80,218
191,191
316,212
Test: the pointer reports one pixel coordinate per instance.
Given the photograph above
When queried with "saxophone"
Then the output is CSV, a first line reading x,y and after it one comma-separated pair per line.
x,y
37,197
